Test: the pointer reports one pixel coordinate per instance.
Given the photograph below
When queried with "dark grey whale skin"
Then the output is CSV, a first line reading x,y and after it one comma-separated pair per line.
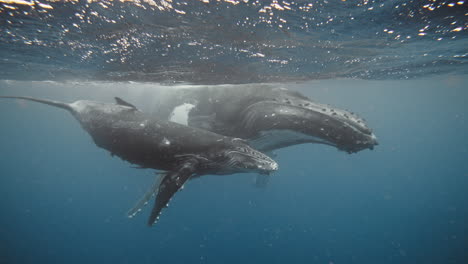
x,y
180,151
260,113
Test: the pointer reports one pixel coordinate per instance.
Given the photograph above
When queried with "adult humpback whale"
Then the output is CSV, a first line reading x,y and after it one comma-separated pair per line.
x,y
181,151
271,118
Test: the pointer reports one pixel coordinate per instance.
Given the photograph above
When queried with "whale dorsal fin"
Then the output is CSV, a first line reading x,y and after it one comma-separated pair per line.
x,y
120,101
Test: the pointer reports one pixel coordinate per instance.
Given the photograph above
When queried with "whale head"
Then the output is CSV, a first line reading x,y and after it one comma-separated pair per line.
x,y
236,156
282,123
344,130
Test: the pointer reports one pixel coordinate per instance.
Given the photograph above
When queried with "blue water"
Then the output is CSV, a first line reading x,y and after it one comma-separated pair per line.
x,y
64,200
402,65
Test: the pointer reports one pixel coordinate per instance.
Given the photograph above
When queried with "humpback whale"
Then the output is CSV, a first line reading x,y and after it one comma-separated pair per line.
x,y
181,152
271,118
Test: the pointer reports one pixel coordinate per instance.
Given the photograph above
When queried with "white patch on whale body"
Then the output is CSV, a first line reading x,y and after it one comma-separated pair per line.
x,y
166,142
180,114
78,106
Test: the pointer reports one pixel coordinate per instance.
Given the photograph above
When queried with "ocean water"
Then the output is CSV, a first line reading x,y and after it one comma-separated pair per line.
x,y
399,64
64,200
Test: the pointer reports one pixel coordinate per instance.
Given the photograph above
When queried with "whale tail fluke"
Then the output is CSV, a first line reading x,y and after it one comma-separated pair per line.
x,y
43,101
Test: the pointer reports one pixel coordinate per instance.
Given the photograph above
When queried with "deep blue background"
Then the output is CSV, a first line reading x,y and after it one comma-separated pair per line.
x,y
63,200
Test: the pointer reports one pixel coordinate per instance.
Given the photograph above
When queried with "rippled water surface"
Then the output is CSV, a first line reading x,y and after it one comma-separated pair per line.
x,y
231,41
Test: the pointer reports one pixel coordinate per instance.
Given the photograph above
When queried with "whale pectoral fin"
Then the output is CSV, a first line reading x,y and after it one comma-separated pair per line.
x,y
261,180
145,199
170,184
267,141
120,101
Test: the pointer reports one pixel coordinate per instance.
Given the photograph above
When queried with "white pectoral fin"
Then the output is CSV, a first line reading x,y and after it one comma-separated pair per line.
x,y
267,141
170,184
146,197
270,140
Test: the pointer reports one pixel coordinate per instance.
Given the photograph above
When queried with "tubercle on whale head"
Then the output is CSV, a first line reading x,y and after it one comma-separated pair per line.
x,y
247,159
344,129
251,159
356,145
309,122
314,122
237,157
301,102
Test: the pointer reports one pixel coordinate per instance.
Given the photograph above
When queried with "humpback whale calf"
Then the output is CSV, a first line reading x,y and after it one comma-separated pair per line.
x,y
271,118
180,151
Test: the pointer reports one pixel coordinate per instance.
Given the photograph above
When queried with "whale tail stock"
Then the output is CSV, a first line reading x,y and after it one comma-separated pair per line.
x,y
42,101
